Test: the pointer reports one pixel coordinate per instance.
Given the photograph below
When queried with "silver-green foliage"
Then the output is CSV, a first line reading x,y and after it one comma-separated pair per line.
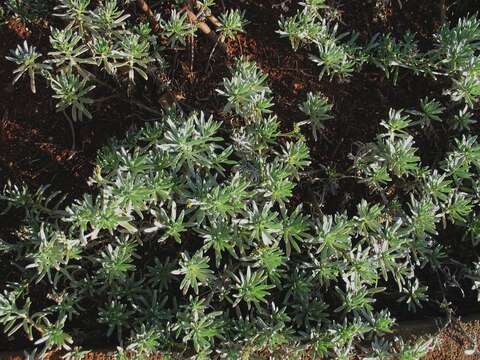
x,y
188,240
100,38
454,54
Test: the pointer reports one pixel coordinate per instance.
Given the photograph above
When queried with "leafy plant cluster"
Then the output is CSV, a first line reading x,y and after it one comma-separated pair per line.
x,y
194,240
454,54
191,241
97,45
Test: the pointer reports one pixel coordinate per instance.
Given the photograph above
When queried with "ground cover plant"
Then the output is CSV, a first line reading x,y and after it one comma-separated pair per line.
x,y
256,221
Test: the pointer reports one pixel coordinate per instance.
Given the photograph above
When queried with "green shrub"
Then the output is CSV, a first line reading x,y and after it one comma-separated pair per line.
x,y
192,240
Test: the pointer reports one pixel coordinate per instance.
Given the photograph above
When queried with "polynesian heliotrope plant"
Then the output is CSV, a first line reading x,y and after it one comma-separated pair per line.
x,y
97,45
193,241
454,54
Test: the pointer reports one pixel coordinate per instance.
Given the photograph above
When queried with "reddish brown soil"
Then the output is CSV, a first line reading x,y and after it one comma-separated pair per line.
x,y
455,340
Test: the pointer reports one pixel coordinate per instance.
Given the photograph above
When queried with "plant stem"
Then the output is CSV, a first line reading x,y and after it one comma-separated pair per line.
x,y
147,10
204,28
443,11
211,55
212,18
72,130
92,77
